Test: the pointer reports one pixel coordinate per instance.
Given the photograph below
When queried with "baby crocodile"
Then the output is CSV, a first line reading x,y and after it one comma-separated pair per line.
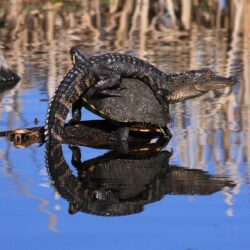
x,y
100,74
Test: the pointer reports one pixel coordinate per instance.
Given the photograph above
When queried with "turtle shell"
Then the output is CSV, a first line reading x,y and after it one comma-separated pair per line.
x,y
136,104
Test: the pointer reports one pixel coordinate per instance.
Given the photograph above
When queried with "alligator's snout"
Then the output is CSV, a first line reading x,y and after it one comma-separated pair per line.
x,y
216,82
222,82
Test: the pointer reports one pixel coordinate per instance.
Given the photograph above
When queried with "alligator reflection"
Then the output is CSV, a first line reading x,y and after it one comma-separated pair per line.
x,y
121,184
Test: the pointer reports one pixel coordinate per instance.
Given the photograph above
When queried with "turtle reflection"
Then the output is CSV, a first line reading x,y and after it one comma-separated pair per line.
x,y
121,184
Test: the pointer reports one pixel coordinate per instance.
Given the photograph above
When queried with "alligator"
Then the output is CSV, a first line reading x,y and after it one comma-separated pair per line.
x,y
100,74
135,111
8,78
180,86
118,184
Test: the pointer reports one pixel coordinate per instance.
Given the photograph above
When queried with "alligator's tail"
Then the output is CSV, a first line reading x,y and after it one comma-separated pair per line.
x,y
69,90
7,75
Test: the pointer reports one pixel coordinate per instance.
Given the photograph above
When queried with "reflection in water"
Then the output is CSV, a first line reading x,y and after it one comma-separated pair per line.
x,y
121,184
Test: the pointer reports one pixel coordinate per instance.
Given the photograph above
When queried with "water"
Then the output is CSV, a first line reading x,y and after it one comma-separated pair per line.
x,y
210,133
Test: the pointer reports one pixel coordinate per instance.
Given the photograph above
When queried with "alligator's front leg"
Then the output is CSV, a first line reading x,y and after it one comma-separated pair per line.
x,y
108,80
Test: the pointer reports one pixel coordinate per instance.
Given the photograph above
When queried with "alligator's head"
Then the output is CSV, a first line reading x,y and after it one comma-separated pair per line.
x,y
76,56
206,80
195,83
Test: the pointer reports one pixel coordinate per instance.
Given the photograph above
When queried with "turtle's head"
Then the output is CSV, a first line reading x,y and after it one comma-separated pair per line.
x,y
76,56
206,80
